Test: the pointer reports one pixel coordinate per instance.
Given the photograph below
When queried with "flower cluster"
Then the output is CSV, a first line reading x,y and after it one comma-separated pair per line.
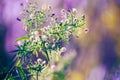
x,y
40,49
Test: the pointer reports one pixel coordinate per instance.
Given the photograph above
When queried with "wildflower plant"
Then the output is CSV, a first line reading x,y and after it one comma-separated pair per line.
x,y
39,54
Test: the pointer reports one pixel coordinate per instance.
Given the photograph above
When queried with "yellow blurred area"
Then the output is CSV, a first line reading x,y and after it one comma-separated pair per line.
x,y
102,23
74,75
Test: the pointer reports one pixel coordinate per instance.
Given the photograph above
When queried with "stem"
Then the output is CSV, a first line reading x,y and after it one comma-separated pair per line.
x,y
37,75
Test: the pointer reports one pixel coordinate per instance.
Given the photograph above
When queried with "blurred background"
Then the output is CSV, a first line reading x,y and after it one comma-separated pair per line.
x,y
98,49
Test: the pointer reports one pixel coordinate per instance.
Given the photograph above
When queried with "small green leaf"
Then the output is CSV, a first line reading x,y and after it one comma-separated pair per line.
x,y
23,38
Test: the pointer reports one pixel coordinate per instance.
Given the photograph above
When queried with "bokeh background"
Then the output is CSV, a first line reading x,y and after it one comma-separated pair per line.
x,y
98,50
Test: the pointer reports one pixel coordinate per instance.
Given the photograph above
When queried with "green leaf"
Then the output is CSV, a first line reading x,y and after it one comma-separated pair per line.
x,y
23,38
22,74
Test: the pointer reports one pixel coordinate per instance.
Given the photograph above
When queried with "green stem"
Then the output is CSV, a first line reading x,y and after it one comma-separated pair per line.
x,y
37,75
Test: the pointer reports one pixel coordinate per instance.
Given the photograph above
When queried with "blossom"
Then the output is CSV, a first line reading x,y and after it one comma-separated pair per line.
x,y
75,19
31,37
20,42
49,7
53,67
31,16
86,30
63,11
74,10
46,44
44,37
44,62
63,49
39,60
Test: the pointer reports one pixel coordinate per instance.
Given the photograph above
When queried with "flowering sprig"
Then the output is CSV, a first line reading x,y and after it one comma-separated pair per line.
x,y
39,51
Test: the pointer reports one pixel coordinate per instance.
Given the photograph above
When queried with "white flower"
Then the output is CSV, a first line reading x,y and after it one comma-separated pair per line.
x,y
74,10
63,11
31,16
44,37
53,67
37,38
63,49
36,32
20,42
49,7
86,30
62,21
75,19
31,37
32,32
67,20
44,62
54,39
53,45
69,27
48,26
39,60
46,44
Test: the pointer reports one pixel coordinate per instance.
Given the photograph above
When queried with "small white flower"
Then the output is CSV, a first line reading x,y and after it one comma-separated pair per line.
x,y
67,20
53,67
37,38
39,60
46,44
74,10
53,45
75,19
36,32
44,62
31,37
49,7
69,27
63,11
31,16
63,49
20,42
44,37
86,30
54,39
62,21
48,26
32,33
